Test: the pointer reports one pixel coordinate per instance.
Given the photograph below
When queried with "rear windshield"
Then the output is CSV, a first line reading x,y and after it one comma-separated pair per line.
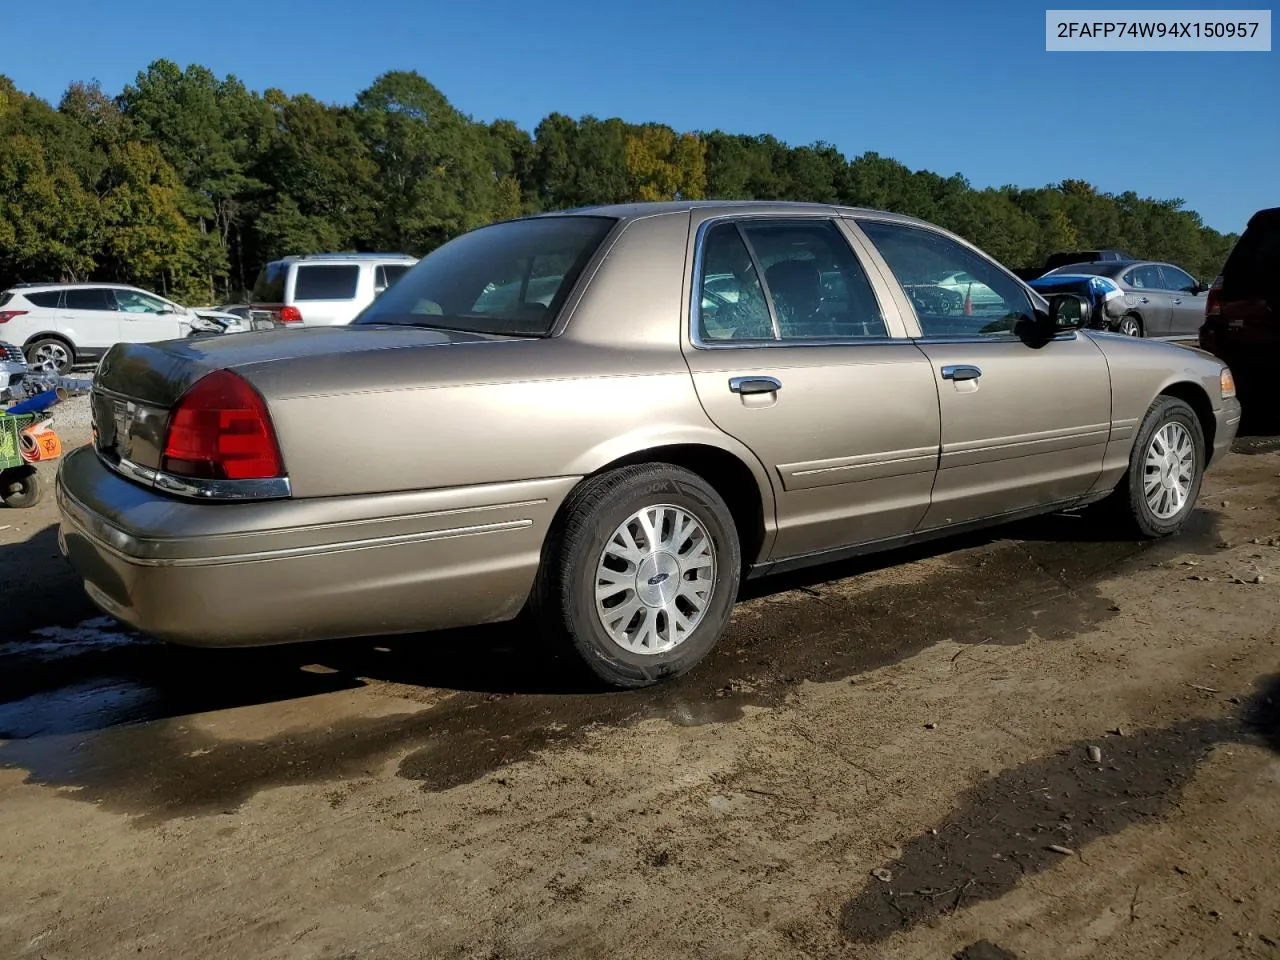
x,y
389,273
510,278
1255,259
269,287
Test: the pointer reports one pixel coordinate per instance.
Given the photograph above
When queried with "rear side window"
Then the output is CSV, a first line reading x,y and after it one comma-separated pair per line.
x,y
48,298
1255,262
93,298
5,297
326,282
814,284
269,287
389,273
1144,278
510,278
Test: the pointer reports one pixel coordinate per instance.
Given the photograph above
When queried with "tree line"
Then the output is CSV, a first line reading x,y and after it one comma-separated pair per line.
x,y
187,183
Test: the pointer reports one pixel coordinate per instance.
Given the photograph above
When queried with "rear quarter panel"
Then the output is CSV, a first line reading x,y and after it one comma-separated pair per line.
x,y
611,383
481,413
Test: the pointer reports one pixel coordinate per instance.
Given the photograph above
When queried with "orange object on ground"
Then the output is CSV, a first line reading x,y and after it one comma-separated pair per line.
x,y
40,446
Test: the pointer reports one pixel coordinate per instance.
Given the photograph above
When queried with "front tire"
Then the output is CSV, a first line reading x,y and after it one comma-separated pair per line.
x,y
640,574
1130,325
1166,467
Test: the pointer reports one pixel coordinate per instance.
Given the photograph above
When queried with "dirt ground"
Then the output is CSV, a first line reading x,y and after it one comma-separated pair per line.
x,y
1045,742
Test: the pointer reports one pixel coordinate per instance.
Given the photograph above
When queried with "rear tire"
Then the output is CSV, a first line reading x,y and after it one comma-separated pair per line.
x,y
20,487
51,351
1166,467
640,574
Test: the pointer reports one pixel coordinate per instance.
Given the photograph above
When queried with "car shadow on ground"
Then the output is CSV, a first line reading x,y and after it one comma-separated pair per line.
x,y
64,668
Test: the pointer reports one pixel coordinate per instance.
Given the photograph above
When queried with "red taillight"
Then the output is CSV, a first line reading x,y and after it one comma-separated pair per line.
x,y
1213,301
290,315
220,430
7,315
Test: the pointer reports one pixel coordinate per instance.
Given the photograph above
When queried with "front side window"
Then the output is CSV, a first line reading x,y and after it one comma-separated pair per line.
x,y
955,291
132,301
813,286
1177,280
326,282
510,278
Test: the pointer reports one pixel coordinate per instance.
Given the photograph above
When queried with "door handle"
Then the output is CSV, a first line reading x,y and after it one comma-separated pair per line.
x,y
749,385
1143,300
960,371
1177,300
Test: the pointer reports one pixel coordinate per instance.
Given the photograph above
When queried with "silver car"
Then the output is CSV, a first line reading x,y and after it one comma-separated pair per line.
x,y
1160,300
610,417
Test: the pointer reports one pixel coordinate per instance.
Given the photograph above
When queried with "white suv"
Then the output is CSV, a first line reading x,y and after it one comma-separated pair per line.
x,y
323,289
61,324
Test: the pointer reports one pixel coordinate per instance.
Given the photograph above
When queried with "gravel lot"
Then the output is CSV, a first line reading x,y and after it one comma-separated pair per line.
x,y
1044,743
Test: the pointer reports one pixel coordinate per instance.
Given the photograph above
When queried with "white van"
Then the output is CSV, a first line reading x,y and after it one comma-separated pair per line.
x,y
323,289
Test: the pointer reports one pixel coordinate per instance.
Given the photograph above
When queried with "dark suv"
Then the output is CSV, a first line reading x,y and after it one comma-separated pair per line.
x,y
1242,311
1064,257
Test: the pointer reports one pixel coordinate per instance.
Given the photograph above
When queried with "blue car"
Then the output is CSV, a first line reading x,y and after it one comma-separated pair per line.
x,y
1106,299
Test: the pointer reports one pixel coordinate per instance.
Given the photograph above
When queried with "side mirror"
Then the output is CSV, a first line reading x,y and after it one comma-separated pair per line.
x,y
1068,312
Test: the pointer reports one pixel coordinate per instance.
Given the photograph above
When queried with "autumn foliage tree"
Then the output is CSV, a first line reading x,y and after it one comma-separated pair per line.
x,y
186,182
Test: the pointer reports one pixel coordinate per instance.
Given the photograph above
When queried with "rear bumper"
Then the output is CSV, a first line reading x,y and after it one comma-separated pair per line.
x,y
244,574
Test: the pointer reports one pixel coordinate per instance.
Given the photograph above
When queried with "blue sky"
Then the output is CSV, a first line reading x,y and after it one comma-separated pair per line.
x,y
945,86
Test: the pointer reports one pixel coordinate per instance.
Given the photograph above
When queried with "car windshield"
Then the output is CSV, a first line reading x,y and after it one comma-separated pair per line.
x,y
509,278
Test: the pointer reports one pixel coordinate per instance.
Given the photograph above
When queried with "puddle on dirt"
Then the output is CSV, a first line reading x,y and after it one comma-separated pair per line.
x,y
513,697
1008,826
985,950
1251,446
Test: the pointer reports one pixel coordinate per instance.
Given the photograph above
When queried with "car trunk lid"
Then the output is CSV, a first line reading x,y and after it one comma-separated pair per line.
x,y
137,385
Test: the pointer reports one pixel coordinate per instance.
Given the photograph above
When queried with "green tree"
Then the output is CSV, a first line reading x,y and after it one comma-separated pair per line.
x,y
322,181
435,177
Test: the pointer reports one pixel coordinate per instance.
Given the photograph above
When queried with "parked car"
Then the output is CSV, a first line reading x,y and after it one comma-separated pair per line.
x,y
323,289
13,371
1067,257
962,286
1161,300
1242,309
61,324
615,460
1106,300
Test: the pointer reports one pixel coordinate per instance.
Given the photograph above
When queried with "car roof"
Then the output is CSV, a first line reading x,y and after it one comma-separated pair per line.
x,y
636,211
37,287
338,257
1097,268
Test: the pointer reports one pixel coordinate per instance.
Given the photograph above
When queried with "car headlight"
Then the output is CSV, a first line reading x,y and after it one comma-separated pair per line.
x,y
1227,383
1107,289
